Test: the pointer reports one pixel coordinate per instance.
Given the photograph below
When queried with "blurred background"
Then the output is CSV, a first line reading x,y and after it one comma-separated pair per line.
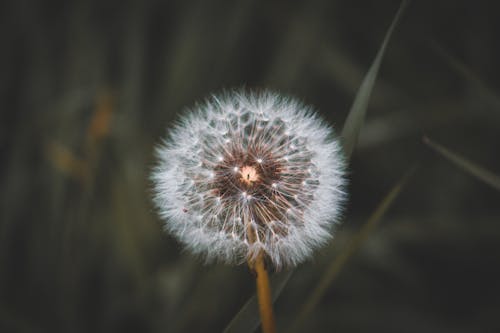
x,y
87,88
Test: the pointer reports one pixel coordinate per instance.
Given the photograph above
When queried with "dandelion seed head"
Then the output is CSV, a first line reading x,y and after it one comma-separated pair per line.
x,y
249,172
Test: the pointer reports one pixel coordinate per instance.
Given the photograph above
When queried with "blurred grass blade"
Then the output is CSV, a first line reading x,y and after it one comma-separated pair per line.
x,y
475,170
247,319
355,243
468,74
356,116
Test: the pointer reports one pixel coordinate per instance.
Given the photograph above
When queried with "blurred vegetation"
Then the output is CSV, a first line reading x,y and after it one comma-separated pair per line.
x,y
89,87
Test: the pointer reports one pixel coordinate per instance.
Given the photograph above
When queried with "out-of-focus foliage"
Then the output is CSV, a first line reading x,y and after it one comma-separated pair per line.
x,y
88,88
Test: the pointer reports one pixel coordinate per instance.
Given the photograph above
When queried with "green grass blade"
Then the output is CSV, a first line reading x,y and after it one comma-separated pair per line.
x,y
471,168
355,243
356,116
247,319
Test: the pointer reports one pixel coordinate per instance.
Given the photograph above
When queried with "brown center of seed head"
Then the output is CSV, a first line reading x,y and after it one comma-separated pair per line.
x,y
248,175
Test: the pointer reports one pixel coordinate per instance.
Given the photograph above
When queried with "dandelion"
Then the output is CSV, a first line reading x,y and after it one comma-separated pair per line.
x,y
250,177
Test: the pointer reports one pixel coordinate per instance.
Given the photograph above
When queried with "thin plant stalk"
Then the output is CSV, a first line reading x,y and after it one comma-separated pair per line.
x,y
264,295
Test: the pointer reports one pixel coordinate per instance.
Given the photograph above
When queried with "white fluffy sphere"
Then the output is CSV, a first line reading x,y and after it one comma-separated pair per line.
x,y
249,172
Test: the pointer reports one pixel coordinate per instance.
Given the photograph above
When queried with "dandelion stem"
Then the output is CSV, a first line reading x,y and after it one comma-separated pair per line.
x,y
264,295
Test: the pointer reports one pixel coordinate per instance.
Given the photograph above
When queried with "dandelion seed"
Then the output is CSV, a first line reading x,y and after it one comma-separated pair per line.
x,y
275,183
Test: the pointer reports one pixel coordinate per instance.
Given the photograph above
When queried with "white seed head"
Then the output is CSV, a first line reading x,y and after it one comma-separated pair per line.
x,y
249,172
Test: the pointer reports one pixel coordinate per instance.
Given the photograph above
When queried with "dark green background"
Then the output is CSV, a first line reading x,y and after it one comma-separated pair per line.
x,y
90,256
